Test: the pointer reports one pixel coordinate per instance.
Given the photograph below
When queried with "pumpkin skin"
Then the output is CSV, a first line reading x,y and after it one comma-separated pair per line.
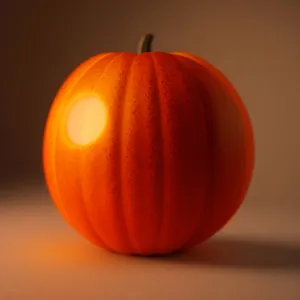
x,y
172,164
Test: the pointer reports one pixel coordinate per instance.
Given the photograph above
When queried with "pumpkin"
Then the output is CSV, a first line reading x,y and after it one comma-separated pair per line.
x,y
147,153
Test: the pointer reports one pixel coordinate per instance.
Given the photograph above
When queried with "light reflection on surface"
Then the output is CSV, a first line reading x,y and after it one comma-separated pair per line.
x,y
86,121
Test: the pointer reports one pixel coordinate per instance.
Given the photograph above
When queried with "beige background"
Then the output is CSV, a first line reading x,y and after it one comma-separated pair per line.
x,y
255,43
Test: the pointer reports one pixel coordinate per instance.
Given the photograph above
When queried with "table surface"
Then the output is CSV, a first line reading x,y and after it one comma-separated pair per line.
x,y
256,256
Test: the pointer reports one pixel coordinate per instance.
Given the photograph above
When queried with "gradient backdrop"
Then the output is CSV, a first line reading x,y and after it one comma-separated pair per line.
x,y
255,43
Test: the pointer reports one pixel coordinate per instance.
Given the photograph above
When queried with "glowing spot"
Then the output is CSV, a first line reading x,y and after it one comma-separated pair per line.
x,y
86,121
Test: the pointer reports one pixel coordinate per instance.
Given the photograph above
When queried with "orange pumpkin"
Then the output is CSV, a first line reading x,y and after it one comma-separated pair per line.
x,y
147,153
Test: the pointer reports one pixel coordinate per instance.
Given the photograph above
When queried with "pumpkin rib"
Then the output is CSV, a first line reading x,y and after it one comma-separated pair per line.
x,y
156,91
82,163
178,112
208,200
131,179
141,153
129,154
201,232
120,160
224,85
61,203
159,73
205,115
107,67
247,130
213,165
219,76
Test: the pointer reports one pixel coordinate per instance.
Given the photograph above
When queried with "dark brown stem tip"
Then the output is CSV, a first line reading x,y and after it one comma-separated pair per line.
x,y
145,43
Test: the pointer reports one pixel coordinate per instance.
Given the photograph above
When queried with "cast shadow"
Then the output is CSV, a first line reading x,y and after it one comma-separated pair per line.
x,y
237,253
219,252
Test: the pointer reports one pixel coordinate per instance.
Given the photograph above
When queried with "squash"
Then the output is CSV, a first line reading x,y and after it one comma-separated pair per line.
x,y
147,153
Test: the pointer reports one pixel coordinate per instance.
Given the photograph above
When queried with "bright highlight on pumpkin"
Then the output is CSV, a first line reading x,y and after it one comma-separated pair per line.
x,y
86,121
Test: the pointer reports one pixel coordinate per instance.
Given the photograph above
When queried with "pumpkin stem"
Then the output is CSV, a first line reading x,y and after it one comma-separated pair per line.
x,y
145,43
